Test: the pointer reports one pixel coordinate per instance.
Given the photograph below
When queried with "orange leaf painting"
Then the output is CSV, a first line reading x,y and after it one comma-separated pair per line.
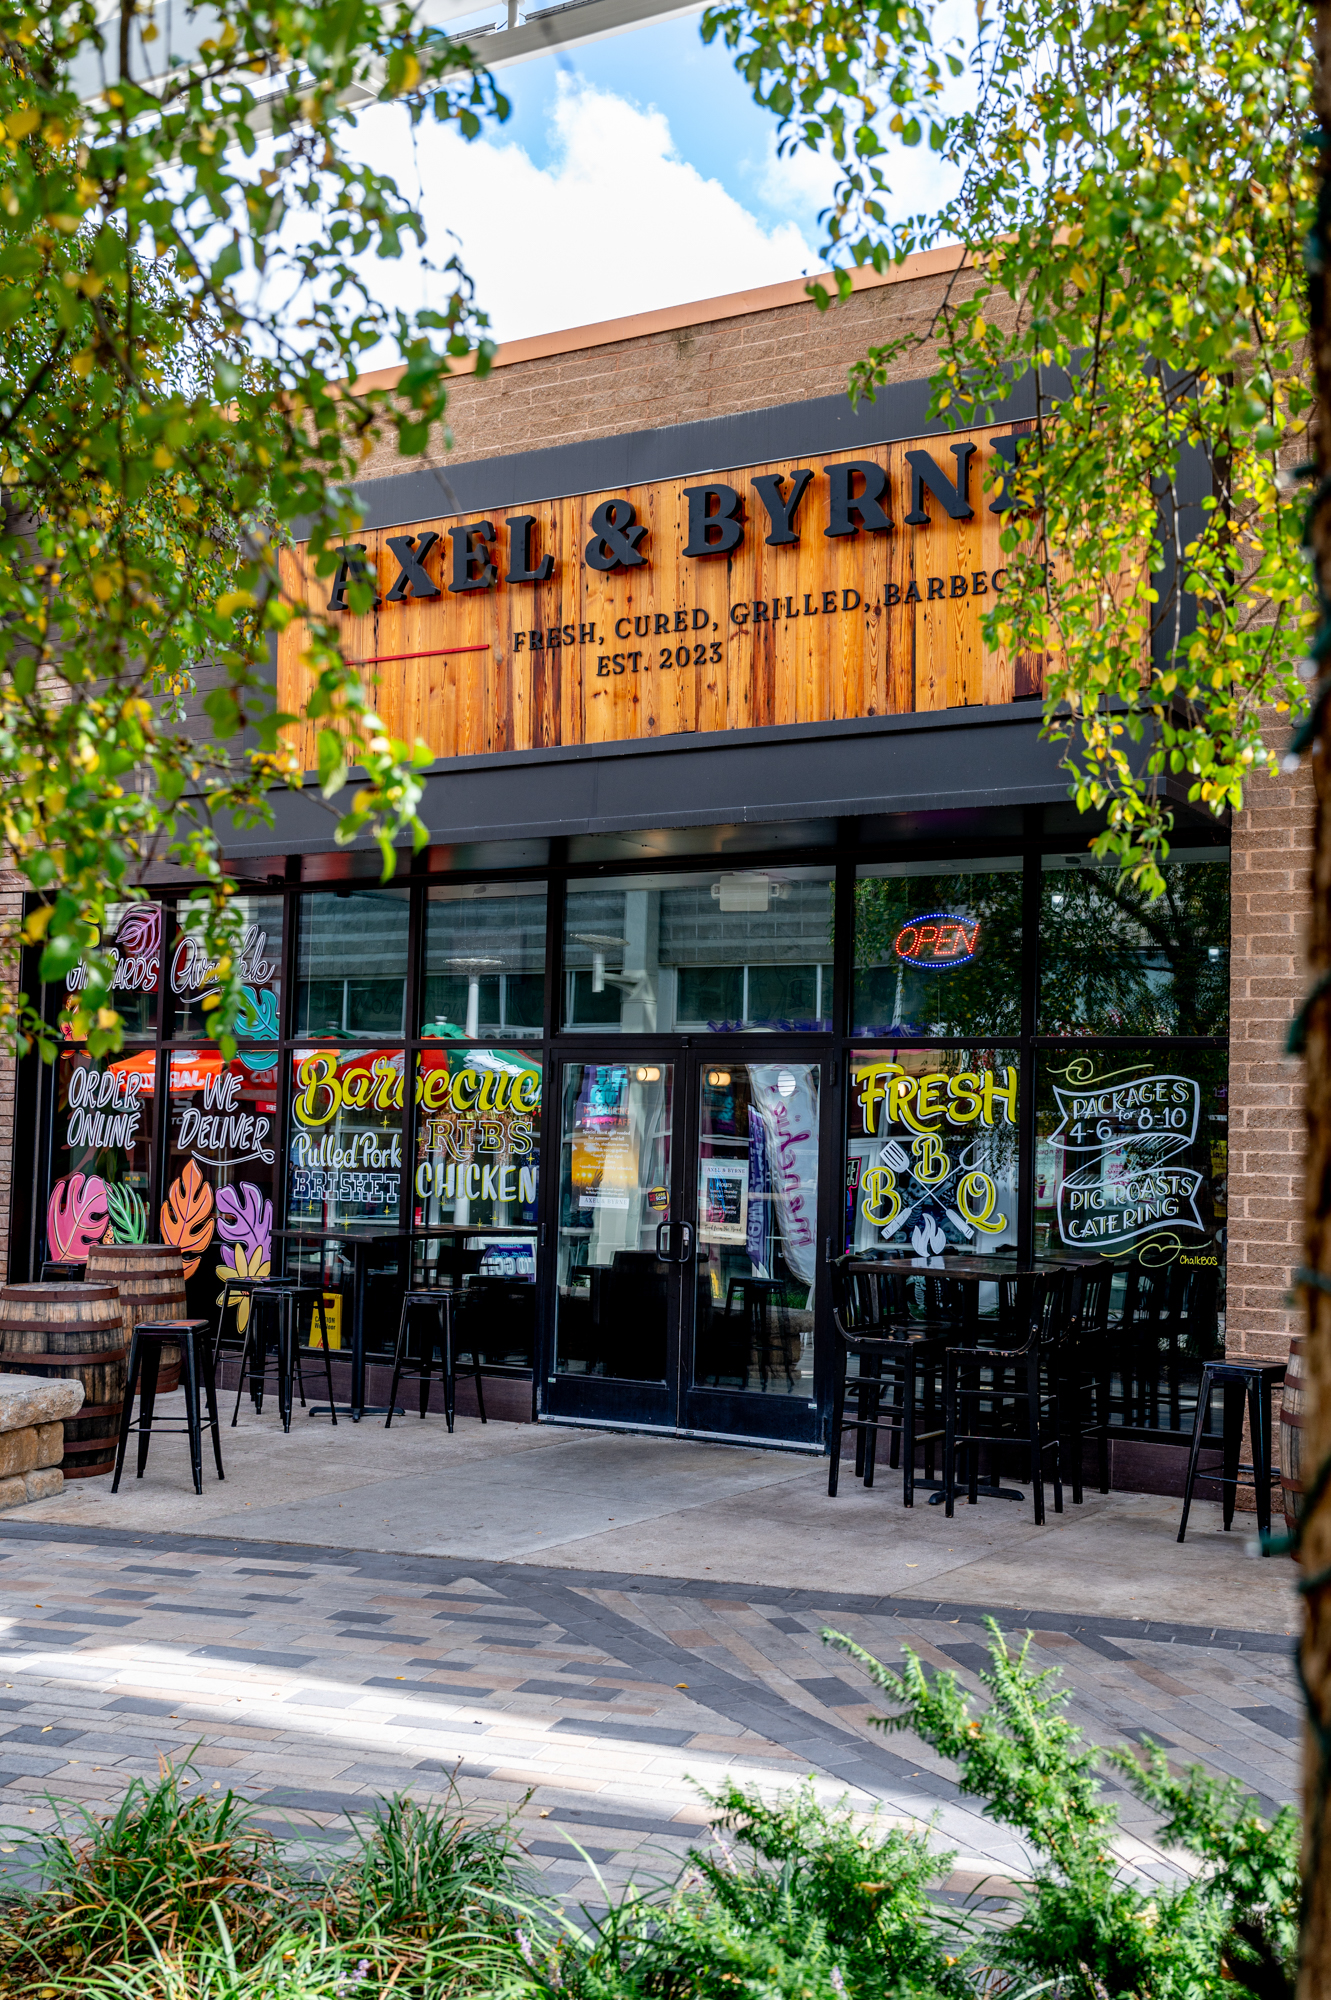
x,y
188,1217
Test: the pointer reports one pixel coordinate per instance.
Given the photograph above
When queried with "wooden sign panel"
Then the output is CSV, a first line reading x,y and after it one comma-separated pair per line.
x,y
849,585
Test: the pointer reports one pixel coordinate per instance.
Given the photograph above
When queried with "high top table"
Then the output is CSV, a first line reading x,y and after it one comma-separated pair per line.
x,y
363,1251
975,1271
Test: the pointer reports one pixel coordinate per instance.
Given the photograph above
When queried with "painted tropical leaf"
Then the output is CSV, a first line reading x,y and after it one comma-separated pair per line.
x,y
244,1216
129,1213
76,1216
188,1216
257,1021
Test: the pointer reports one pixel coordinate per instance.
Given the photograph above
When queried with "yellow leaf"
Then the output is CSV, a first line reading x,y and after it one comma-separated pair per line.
x,y
232,601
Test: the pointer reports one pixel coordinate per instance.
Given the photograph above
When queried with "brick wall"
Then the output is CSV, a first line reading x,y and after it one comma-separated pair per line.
x,y
714,369
1270,859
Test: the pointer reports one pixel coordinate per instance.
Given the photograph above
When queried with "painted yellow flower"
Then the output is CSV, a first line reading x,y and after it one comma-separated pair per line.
x,y
249,1264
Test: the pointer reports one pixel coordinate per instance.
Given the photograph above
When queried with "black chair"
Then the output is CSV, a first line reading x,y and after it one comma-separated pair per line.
x,y
1006,1394
416,1305
1249,1382
193,1338
749,1303
1084,1374
896,1355
274,1305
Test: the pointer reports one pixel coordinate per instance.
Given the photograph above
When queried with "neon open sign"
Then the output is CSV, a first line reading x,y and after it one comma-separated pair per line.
x,y
937,941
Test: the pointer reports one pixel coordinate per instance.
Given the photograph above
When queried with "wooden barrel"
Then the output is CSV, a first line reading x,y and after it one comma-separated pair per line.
x,y
71,1331
151,1281
1293,1410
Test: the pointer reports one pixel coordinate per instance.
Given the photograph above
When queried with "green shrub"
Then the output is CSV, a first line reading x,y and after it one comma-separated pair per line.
x,y
812,1906
1084,1924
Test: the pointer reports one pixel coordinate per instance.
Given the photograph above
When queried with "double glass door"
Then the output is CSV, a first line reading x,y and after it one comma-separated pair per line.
x,y
688,1279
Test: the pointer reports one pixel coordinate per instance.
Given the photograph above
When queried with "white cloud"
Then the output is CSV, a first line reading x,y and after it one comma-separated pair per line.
x,y
618,223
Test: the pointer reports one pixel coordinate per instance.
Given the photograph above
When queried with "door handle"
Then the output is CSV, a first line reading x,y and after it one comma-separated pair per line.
x,y
666,1241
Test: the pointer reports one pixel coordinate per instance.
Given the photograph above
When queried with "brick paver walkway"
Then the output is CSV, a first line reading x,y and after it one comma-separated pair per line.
x,y
589,1705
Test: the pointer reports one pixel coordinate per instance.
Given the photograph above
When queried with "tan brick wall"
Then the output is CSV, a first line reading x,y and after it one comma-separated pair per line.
x,y
1270,858
714,369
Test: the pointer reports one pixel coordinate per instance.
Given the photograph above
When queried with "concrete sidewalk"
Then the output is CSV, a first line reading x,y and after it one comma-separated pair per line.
x,y
639,1506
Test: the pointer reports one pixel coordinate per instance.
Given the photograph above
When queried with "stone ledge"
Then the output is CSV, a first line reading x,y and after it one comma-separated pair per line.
x,y
35,1399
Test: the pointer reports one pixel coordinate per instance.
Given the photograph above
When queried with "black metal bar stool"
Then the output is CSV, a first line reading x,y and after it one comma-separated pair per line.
x,y
233,1292
415,1305
145,1354
1241,1381
272,1323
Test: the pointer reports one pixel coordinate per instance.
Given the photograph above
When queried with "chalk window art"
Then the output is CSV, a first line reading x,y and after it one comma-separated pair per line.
x,y
133,937
192,976
938,954
344,1162
103,1146
478,1134
931,1164
221,1164
1131,1155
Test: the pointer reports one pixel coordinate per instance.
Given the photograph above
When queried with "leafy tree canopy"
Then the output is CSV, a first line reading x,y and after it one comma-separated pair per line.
x,y
183,303
1134,192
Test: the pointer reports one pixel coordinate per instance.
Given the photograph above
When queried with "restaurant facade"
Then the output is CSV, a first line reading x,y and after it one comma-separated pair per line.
x,y
755,923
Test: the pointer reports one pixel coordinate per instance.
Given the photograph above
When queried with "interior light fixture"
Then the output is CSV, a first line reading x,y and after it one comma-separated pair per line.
x,y
718,1078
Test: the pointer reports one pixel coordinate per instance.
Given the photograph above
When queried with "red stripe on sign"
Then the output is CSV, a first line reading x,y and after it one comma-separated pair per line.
x,y
434,653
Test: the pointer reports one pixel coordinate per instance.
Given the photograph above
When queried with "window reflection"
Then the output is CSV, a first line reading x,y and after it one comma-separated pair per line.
x,y
485,962
739,951
351,977
1112,962
938,953
614,1194
757,1227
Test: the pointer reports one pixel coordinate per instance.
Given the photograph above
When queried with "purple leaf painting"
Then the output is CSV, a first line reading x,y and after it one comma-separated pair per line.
x,y
76,1216
245,1219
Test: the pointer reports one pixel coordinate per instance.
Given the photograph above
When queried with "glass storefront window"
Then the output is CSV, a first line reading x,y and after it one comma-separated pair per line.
x,y
133,935
221,1167
735,951
475,1191
102,1153
485,962
938,952
1130,1169
1114,963
757,1260
344,1161
192,971
351,973
614,1192
1132,1154
931,1156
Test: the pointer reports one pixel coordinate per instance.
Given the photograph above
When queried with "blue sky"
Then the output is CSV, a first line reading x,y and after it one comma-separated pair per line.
x,y
634,173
